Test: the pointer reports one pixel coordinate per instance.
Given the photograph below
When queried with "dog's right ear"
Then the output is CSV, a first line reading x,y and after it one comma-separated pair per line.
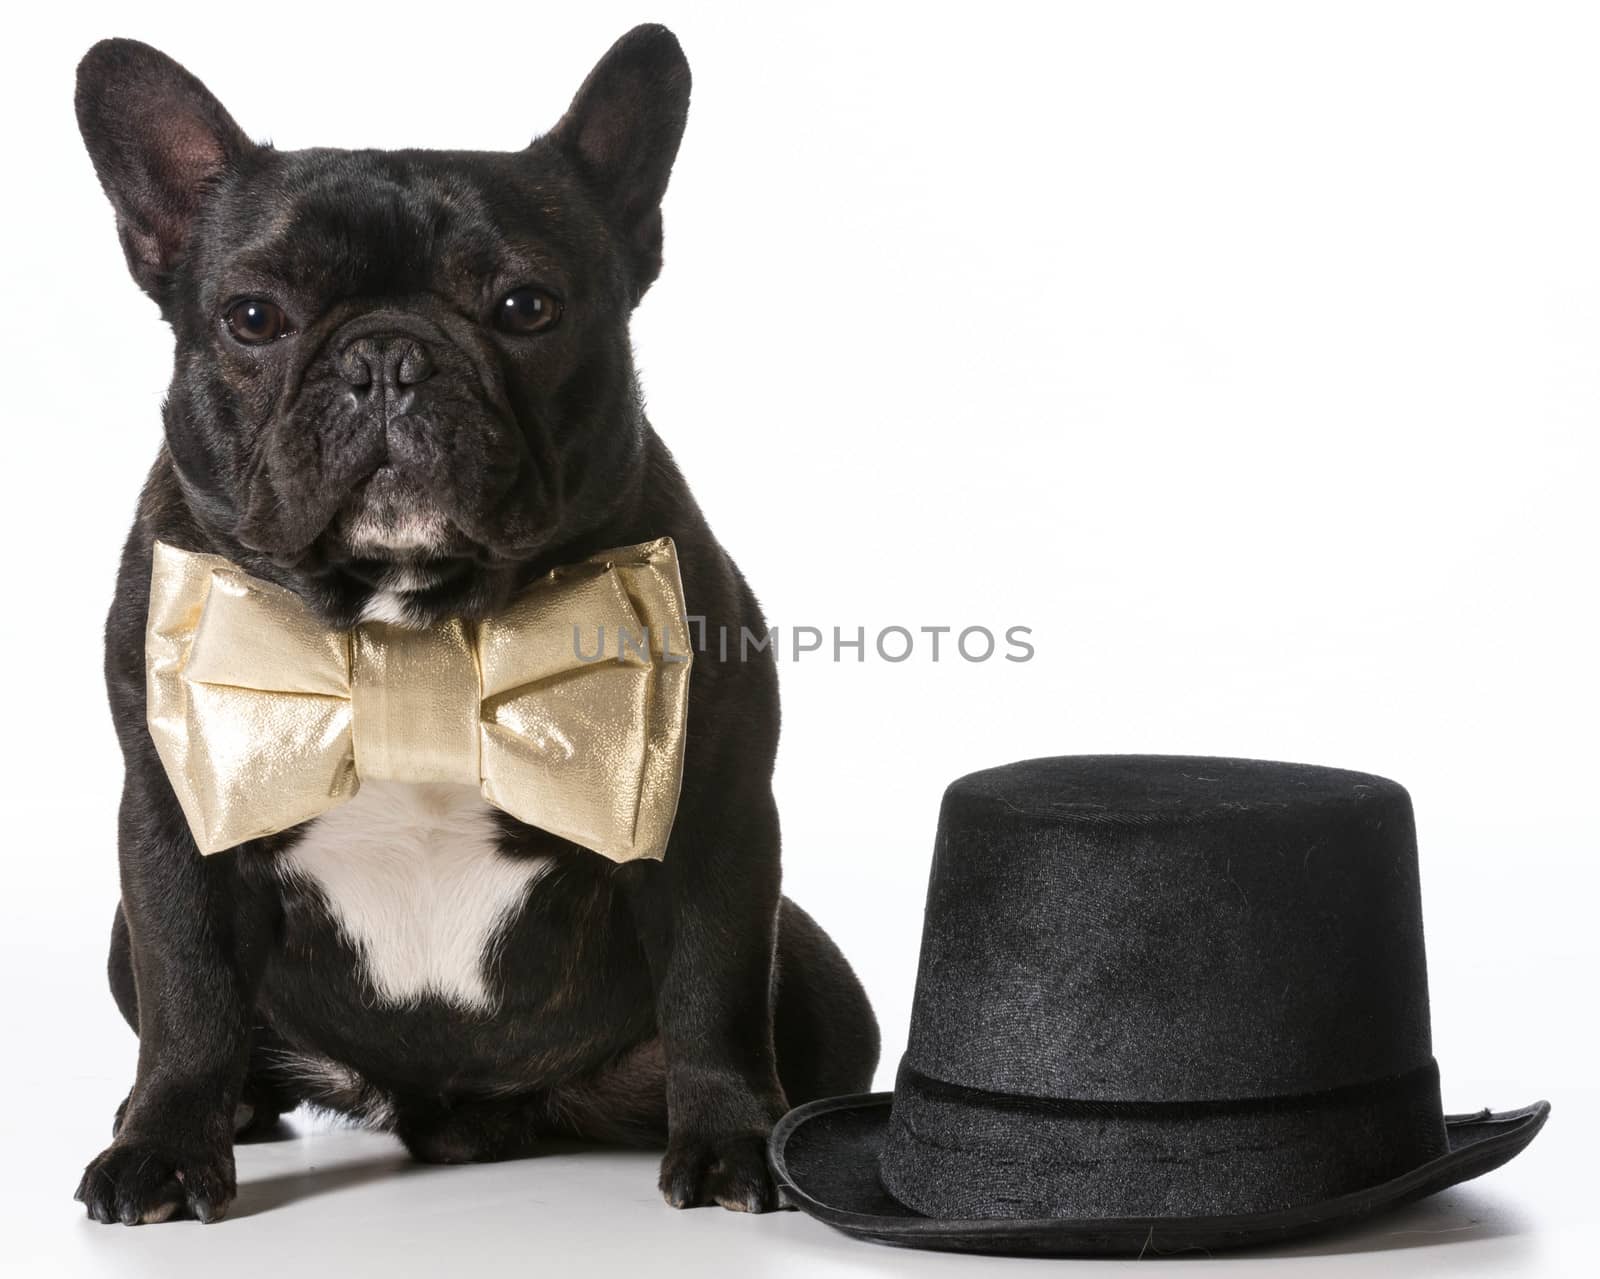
x,y
158,140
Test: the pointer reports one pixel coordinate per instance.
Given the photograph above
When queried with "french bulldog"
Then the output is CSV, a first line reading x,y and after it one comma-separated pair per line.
x,y
403,389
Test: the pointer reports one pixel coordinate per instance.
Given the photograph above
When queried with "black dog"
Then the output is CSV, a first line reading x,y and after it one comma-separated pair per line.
x,y
404,389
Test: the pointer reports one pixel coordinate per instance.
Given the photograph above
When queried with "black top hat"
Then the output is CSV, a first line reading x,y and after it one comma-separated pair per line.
x,y
1163,1003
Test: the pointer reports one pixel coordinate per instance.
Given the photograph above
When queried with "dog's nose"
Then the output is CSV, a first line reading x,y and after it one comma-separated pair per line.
x,y
388,361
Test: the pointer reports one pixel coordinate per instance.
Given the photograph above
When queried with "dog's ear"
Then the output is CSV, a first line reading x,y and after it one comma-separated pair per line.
x,y
158,140
622,132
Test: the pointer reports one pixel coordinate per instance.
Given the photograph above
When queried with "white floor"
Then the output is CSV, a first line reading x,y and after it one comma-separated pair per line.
x,y
332,1201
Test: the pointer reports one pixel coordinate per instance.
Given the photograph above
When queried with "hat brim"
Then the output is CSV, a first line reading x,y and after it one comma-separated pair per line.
x,y
825,1157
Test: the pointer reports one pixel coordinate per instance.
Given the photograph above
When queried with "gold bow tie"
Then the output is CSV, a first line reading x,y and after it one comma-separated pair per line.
x,y
264,718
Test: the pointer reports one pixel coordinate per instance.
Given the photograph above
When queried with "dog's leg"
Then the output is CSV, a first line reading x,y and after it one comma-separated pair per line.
x,y
707,916
197,939
263,1100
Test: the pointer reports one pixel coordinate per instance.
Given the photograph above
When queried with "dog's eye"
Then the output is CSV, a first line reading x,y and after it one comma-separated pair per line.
x,y
527,310
254,321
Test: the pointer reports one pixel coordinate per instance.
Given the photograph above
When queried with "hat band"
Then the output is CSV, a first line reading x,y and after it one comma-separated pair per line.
x,y
961,1153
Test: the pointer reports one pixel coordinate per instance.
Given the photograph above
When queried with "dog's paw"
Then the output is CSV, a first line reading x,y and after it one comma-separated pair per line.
x,y
140,1183
731,1171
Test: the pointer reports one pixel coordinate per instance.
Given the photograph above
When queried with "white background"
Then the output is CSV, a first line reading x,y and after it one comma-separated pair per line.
x,y
1248,354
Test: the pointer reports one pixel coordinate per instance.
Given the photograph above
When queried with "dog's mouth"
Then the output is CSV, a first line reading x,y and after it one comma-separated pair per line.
x,y
392,548
391,516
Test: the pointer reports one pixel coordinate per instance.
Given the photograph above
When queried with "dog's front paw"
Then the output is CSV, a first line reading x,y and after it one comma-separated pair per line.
x,y
139,1182
731,1171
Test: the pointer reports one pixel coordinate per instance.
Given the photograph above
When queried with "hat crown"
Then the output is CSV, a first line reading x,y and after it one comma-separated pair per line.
x,y
1171,928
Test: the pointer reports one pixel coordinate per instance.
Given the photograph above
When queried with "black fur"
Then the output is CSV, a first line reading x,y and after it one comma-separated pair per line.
x,y
681,1002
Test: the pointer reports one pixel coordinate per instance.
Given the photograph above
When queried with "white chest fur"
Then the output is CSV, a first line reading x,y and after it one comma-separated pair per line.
x,y
414,879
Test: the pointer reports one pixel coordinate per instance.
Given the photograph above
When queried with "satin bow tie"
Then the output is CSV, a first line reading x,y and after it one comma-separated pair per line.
x,y
265,718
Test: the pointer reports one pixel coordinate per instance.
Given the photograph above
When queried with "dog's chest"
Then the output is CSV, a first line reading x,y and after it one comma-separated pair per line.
x,y
413,877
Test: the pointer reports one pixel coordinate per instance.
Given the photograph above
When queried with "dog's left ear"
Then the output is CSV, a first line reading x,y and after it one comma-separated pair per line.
x,y
622,132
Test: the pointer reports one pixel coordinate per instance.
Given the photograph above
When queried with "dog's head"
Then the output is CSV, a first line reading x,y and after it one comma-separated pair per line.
x,y
400,375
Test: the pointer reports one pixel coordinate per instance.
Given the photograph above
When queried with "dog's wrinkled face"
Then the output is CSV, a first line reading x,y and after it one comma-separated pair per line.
x,y
400,376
